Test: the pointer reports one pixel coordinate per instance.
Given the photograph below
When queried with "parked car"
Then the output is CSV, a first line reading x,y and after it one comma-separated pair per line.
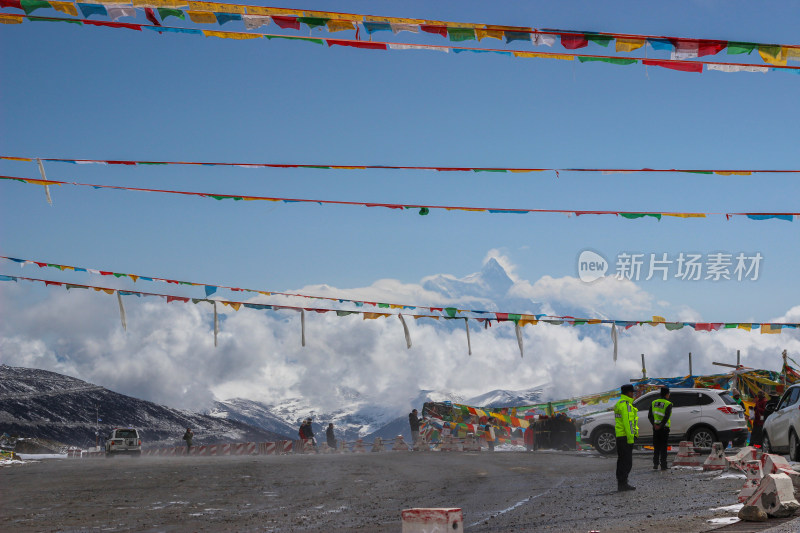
x,y
124,441
703,416
782,426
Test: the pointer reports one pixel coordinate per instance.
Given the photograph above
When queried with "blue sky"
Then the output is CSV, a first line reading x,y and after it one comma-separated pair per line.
x,y
97,93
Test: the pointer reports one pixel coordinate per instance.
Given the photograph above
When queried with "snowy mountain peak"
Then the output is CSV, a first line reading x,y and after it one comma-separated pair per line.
x,y
491,282
506,398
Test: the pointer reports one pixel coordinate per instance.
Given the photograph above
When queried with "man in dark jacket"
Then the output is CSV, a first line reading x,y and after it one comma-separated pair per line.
x,y
413,422
188,438
330,437
660,416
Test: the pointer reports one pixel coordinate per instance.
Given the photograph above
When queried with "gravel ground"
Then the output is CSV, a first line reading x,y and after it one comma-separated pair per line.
x,y
501,491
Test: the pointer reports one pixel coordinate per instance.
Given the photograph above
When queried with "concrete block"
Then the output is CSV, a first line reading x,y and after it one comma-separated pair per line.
x,y
775,495
432,520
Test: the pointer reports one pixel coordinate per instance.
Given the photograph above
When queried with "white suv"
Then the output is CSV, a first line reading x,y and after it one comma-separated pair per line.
x,y
782,426
123,441
703,416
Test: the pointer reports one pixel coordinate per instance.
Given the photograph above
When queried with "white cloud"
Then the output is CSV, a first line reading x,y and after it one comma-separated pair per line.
x,y
168,355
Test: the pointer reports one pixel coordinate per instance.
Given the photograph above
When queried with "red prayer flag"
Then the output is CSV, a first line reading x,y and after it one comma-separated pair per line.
x,y
440,30
572,41
11,3
105,273
501,316
148,12
356,44
137,27
123,162
675,65
57,283
710,48
286,22
177,299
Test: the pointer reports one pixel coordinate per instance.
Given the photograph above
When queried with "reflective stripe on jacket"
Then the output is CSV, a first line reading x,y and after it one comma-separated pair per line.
x,y
659,410
625,418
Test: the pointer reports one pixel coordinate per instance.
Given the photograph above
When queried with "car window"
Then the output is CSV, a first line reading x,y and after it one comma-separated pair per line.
x,y
789,398
684,399
704,399
727,398
126,434
643,403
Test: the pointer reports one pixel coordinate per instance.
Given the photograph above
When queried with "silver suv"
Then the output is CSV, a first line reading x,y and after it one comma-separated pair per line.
x,y
124,441
782,426
703,416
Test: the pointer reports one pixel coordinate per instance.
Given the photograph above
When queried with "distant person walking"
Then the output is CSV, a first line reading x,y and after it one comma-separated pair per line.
x,y
330,437
188,438
625,430
660,416
413,422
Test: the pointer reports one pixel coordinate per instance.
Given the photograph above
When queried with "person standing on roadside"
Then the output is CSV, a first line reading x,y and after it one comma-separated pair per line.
x,y
413,422
330,437
188,438
759,415
660,416
625,430
529,437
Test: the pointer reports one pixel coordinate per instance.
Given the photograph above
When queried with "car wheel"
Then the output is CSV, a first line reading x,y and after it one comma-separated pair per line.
x,y
766,445
605,441
702,437
794,444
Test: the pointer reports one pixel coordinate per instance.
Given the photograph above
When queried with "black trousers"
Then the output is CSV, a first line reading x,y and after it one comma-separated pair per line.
x,y
660,440
624,460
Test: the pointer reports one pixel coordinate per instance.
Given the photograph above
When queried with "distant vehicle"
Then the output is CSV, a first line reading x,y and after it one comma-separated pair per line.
x,y
782,426
124,441
702,416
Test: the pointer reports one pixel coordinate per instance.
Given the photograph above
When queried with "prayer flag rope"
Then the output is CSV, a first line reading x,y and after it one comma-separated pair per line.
x,y
672,64
253,17
763,327
328,166
423,208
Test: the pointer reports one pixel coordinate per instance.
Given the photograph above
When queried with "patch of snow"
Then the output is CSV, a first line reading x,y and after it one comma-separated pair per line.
x,y
727,520
26,456
732,508
731,476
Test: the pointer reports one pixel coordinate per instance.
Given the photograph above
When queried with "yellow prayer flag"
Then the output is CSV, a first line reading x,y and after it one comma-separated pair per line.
x,y
685,215
173,4
745,326
732,173
768,328
417,317
201,17
395,306
269,11
778,59
629,45
396,20
40,182
250,198
792,53
11,19
565,57
17,158
594,321
464,209
373,316
65,7
264,293
107,291
525,321
216,6
659,319
231,34
334,16
525,169
134,277
490,34
235,305
340,25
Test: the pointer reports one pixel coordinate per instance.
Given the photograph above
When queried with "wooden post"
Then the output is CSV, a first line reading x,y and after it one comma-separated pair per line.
x,y
690,364
784,354
738,359
644,369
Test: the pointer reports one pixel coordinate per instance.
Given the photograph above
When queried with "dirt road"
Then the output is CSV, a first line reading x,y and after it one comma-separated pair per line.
x,y
501,491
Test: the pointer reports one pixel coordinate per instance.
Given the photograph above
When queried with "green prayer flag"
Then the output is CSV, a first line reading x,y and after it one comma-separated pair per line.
x,y
672,326
165,12
461,34
640,215
385,306
612,60
489,170
729,326
345,313
424,210
50,19
32,5
312,22
451,311
76,286
740,48
514,317
120,275
697,171
602,40
307,39
579,322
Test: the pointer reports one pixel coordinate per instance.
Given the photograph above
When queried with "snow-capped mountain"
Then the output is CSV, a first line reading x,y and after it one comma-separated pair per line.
x,y
507,398
492,282
47,405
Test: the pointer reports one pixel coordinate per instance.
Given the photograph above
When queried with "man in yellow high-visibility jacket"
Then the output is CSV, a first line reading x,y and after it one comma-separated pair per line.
x,y
625,428
661,417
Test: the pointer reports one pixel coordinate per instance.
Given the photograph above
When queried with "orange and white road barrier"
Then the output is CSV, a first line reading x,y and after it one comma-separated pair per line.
x,y
432,520
716,459
399,445
775,495
687,456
